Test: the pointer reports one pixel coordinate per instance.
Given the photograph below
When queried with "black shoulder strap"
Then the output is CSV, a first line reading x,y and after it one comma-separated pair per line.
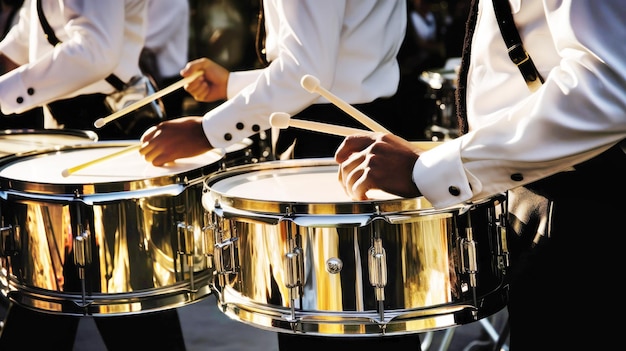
x,y
112,79
52,38
513,42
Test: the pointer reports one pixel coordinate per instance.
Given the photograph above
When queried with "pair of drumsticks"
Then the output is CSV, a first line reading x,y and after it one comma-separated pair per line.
x,y
280,120
311,84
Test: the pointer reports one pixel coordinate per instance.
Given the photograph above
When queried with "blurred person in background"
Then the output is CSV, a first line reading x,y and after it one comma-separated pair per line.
x,y
166,49
33,118
67,76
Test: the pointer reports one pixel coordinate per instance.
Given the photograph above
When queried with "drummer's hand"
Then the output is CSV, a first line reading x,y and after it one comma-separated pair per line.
x,y
209,87
377,161
170,140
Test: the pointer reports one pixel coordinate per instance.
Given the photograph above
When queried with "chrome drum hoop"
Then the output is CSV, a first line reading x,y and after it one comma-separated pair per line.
x,y
294,254
21,141
118,237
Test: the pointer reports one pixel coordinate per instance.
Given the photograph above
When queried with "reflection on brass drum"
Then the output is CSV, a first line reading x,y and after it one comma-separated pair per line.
x,y
117,237
295,254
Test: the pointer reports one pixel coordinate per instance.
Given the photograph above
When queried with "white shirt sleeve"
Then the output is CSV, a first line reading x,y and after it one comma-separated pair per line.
x,y
349,45
98,38
516,136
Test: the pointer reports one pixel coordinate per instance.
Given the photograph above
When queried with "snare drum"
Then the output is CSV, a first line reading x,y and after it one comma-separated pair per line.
x,y
17,141
295,254
117,237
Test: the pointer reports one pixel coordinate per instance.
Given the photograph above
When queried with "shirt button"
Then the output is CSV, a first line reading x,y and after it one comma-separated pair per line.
x,y
228,137
239,126
19,100
30,91
454,191
256,128
518,177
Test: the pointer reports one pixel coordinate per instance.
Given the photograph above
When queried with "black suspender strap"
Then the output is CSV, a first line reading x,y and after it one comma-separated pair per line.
x,y
513,42
112,79
52,38
259,40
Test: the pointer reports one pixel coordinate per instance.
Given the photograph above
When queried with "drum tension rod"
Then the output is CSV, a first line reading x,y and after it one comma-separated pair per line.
x,y
294,267
82,258
377,263
469,261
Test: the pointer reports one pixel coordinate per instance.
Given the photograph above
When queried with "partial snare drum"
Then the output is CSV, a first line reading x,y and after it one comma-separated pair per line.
x,y
117,237
18,141
295,254
441,89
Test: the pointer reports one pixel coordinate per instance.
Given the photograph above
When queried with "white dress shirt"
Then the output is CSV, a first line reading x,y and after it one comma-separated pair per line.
x,y
168,34
98,38
349,45
517,137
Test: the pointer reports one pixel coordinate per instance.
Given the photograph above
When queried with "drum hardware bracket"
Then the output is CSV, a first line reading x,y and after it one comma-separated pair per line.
x,y
293,280
503,249
220,263
10,243
186,244
469,263
186,241
82,258
294,264
377,264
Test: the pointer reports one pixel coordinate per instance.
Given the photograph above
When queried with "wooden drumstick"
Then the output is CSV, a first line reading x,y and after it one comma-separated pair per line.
x,y
312,85
68,171
283,120
100,122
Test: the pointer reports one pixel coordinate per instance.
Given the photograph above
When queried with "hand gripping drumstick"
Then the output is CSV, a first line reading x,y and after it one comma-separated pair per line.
x,y
100,122
282,120
312,85
68,171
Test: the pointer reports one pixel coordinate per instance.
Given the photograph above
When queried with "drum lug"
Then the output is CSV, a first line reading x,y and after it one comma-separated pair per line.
x,y
186,240
186,245
82,253
294,270
293,279
503,249
225,263
469,262
377,264
82,258
10,241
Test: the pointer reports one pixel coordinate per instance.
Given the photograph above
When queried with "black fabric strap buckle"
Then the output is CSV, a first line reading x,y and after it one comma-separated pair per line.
x,y
517,53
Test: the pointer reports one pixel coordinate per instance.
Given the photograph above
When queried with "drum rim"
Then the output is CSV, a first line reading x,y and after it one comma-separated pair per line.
x,y
189,177
374,206
86,134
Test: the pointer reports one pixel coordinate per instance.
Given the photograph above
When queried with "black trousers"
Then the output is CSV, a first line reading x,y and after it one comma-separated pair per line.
x,y
564,282
26,329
